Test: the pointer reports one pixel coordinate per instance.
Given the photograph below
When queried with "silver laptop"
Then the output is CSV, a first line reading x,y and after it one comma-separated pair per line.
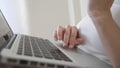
x,y
27,51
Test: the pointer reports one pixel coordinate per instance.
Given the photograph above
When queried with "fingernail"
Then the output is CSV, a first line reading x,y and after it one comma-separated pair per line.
x,y
64,45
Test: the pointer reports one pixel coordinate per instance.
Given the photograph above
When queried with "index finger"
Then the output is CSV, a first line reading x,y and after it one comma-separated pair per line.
x,y
67,36
60,32
73,37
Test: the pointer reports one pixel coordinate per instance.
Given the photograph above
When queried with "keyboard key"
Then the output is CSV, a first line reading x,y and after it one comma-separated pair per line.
x,y
48,56
41,48
38,55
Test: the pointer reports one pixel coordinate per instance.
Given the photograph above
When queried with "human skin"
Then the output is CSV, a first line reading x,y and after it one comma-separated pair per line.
x,y
70,36
99,12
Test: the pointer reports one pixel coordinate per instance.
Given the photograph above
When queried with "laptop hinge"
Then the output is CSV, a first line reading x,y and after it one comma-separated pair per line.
x,y
9,45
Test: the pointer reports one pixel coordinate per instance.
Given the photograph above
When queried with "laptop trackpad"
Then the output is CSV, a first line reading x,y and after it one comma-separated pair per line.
x,y
82,58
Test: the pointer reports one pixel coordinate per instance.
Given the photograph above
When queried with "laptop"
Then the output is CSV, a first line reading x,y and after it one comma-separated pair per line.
x,y
28,51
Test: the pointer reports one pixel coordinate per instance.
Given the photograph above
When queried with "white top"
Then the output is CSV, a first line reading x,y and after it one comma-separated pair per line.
x,y
93,43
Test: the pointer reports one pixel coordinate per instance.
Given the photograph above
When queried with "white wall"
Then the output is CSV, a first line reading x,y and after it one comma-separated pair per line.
x,y
41,17
83,4
45,15
14,12
74,11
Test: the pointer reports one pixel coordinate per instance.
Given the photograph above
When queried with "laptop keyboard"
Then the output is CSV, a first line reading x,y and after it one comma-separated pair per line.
x,y
38,47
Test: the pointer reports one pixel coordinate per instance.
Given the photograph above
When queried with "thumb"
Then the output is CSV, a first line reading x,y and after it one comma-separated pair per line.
x,y
79,41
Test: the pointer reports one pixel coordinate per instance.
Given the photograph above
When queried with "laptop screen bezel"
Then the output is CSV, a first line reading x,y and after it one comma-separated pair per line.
x,y
4,45
6,21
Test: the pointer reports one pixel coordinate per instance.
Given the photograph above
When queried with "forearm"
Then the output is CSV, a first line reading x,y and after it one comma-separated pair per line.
x,y
110,36
101,5
107,29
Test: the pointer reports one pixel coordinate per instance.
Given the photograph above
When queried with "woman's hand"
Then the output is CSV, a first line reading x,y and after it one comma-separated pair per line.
x,y
69,35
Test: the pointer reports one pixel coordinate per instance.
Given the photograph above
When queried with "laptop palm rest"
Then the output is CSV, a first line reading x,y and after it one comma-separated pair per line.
x,y
82,58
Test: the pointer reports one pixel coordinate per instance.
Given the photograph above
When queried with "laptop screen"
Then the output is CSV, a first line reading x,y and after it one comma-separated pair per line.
x,y
5,31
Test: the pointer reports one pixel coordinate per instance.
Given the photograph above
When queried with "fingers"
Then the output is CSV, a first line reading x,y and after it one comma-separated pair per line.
x,y
55,35
73,37
70,36
58,34
67,36
79,41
